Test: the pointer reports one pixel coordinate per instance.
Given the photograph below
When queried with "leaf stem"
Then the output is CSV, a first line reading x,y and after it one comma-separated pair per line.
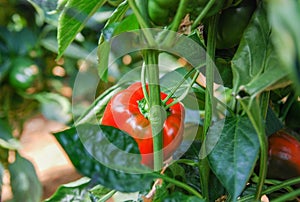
x,y
209,97
179,184
181,97
179,15
178,85
254,113
273,188
176,23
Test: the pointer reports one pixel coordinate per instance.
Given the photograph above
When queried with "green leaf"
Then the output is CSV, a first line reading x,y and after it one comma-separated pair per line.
x,y
116,16
234,150
96,143
73,191
24,181
54,106
72,20
255,65
7,140
103,57
284,17
73,50
108,32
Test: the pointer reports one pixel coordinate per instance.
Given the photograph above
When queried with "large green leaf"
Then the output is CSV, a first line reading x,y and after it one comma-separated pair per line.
x,y
95,141
233,153
73,191
284,17
72,20
24,181
7,141
255,65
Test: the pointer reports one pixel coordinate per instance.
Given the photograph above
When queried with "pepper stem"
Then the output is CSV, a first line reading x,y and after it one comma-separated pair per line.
x,y
156,113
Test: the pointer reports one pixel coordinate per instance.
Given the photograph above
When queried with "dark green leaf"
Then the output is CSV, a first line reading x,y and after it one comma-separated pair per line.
x,y
24,181
4,68
72,20
54,106
255,65
73,191
7,140
234,150
284,17
108,152
273,124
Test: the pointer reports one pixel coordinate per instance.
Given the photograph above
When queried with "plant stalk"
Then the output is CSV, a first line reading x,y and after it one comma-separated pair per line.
x,y
157,113
209,95
254,112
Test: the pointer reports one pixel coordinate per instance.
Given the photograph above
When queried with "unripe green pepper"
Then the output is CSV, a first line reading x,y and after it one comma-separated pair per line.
x,y
232,24
23,73
161,12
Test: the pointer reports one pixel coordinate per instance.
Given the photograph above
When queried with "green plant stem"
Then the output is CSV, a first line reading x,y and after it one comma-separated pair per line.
x,y
287,197
108,195
203,13
273,189
157,113
184,94
254,112
143,23
209,95
179,15
178,85
179,184
264,103
169,38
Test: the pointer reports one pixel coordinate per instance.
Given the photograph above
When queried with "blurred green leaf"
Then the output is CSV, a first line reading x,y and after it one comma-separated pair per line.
x,y
24,181
284,16
54,106
234,150
255,65
7,140
73,191
96,142
73,50
72,20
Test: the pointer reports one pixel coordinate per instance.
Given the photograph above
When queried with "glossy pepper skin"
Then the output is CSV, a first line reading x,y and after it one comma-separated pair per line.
x,y
161,12
23,73
123,112
232,23
284,156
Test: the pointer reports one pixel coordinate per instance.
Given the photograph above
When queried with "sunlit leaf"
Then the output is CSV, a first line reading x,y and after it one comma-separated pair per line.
x,y
72,20
73,191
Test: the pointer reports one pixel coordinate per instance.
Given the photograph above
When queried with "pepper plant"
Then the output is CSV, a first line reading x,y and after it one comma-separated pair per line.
x,y
247,51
